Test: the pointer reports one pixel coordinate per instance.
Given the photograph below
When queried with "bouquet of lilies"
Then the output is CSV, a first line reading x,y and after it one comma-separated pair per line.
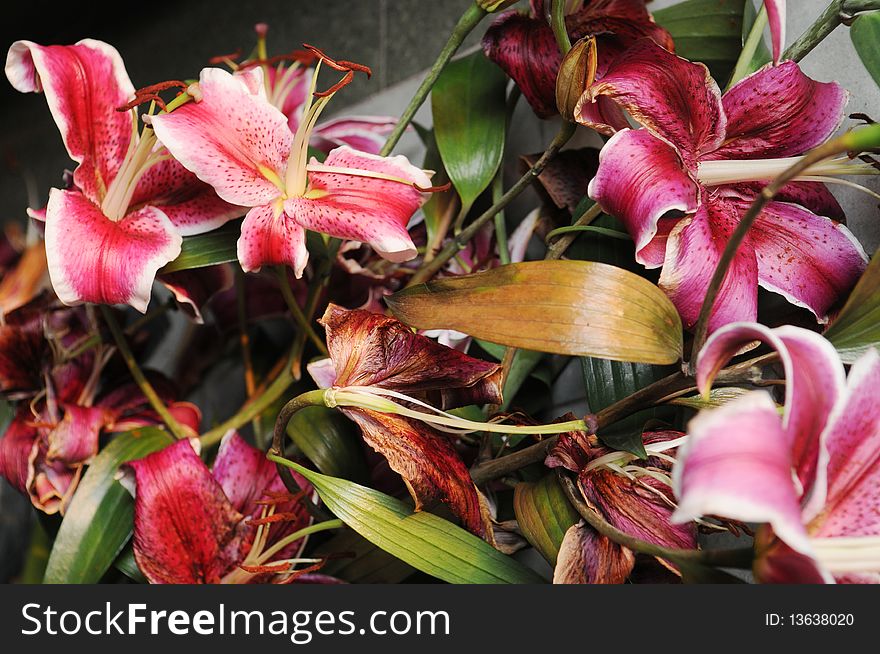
x,y
369,353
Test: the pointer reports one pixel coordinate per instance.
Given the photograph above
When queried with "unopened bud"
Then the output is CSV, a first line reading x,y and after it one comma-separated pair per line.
x,y
577,72
491,6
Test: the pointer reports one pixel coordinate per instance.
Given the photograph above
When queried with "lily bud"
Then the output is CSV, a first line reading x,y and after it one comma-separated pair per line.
x,y
576,73
491,6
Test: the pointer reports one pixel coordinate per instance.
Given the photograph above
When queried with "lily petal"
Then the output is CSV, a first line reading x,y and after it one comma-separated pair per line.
x,y
675,99
83,83
194,288
15,449
736,463
75,439
270,239
796,114
363,208
586,557
362,133
776,18
640,180
370,349
185,529
428,463
232,139
693,249
93,259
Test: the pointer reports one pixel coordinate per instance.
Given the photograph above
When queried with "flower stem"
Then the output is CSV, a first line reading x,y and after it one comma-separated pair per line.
x,y
562,244
837,12
138,375
557,23
746,57
468,21
297,313
737,558
244,339
500,225
701,332
429,269
297,535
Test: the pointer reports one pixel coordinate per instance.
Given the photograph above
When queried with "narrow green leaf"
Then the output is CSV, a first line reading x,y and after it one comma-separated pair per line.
x,y
127,565
469,108
330,441
426,542
857,327
544,514
440,206
717,397
865,35
576,308
98,521
708,31
367,563
208,249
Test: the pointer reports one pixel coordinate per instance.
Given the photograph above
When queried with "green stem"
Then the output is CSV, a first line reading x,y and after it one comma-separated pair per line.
x,y
756,33
556,250
297,313
244,339
297,535
454,245
468,21
603,231
837,12
500,225
557,23
737,558
816,155
138,375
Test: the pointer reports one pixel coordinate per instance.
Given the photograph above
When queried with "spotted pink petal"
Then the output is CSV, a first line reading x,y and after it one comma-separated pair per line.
x,y
268,239
776,18
675,99
586,557
849,483
779,112
15,449
75,439
84,84
185,528
93,259
641,179
290,89
232,139
814,379
693,249
736,463
194,288
191,205
373,211
243,472
814,196
812,261
362,133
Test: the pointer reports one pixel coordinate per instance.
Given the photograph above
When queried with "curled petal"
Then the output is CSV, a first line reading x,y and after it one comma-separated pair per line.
x,y
194,288
232,139
675,99
428,463
15,449
814,380
93,259
693,249
736,463
83,83
776,18
363,208
185,529
50,484
796,114
75,439
587,557
21,284
270,238
370,349
640,180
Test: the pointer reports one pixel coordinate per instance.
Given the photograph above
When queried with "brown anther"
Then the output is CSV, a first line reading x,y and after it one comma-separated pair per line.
x,y
863,117
433,189
342,65
275,517
151,94
273,498
221,59
276,568
304,571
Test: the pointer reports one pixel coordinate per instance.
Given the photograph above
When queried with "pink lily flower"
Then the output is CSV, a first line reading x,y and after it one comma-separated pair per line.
x,y
811,475
233,138
681,184
230,524
130,203
523,45
633,495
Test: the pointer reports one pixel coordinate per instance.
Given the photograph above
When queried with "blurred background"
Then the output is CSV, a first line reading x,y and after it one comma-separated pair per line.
x,y
398,39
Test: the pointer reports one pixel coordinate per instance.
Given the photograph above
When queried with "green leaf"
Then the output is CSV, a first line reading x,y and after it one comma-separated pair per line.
x,y
330,441
865,35
857,327
426,542
544,514
127,565
717,397
469,108
208,249
367,563
708,31
607,382
98,521
575,308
